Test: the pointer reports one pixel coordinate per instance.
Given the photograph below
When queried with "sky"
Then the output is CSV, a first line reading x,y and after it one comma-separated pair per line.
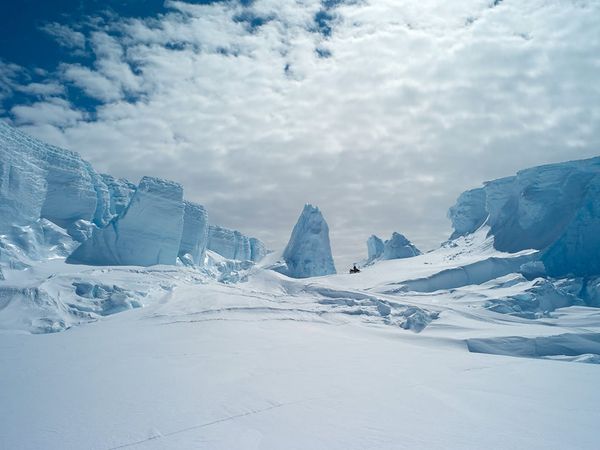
x,y
381,112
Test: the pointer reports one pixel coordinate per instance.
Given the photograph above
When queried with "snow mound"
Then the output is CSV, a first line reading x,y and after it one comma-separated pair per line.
x,y
584,347
228,271
553,208
21,246
148,233
308,252
55,296
389,312
49,308
535,302
469,274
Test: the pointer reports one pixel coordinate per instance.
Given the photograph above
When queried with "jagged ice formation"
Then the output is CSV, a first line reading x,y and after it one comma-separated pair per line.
x,y
308,252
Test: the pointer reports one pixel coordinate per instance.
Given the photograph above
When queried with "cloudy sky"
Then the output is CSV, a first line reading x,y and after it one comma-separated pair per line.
x,y
379,111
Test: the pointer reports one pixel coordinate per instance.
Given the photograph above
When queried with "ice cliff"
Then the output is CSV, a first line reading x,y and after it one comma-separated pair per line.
x,y
38,180
121,191
45,192
194,236
51,200
308,252
234,245
553,208
374,248
258,250
148,232
229,243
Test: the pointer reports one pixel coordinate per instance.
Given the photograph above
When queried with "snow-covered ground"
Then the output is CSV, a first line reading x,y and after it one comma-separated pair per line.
x,y
168,357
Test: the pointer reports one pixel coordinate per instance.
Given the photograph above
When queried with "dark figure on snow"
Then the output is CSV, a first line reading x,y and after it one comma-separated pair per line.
x,y
354,269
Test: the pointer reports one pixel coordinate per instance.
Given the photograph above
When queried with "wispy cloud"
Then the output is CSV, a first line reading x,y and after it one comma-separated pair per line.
x,y
65,36
381,113
9,74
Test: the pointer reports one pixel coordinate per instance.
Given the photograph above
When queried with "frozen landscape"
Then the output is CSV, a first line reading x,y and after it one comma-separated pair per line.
x,y
129,320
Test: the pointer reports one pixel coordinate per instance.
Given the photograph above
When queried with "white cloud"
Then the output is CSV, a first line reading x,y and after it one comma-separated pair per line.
x,y
54,111
65,36
42,89
419,101
8,78
92,82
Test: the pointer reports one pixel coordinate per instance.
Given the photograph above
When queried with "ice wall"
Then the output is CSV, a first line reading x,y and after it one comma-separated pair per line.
x,y
148,232
116,222
38,183
75,191
23,183
121,191
374,248
258,250
194,237
38,180
308,252
229,243
554,208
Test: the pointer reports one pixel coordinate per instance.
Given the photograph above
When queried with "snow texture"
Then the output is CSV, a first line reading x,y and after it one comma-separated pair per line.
x,y
148,232
195,340
445,334
308,252
41,240
554,208
194,237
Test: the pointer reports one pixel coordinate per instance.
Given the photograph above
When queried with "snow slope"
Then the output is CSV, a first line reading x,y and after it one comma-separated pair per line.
x,y
473,345
269,362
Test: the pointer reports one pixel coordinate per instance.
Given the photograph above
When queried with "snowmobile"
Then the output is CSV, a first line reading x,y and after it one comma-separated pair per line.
x,y
355,269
